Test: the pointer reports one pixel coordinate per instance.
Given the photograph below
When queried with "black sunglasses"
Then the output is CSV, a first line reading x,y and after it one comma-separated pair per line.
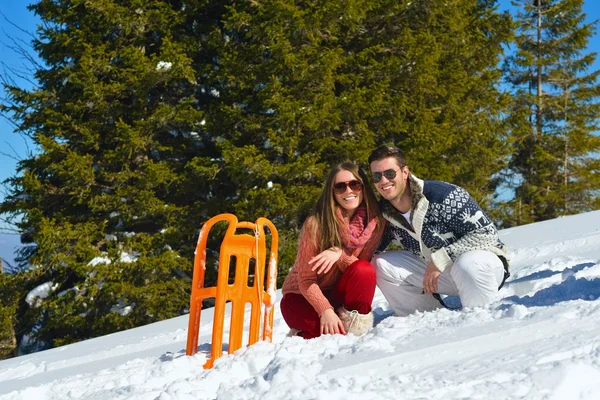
x,y
354,185
388,173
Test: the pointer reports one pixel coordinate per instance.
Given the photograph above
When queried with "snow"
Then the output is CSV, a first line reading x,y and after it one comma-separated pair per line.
x,y
123,257
538,341
122,308
164,66
99,260
39,293
129,257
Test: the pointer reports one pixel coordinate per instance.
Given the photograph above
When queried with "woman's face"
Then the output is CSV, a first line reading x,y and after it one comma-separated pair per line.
x,y
347,191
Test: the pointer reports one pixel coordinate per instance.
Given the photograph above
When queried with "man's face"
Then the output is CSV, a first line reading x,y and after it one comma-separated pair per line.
x,y
389,188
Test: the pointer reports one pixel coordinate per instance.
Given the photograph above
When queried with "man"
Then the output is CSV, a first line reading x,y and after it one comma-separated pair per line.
x,y
449,245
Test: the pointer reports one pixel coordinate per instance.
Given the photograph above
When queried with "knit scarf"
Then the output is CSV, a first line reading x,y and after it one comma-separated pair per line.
x,y
357,231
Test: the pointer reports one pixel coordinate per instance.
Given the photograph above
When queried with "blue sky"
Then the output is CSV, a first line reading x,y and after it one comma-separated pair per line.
x,y
12,145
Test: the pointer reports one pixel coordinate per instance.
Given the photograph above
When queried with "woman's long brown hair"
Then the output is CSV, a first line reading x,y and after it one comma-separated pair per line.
x,y
324,214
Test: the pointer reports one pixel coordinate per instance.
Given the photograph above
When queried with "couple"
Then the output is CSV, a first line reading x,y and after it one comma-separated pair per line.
x,y
449,247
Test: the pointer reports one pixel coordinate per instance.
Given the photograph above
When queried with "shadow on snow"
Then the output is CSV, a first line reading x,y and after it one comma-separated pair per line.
x,y
570,288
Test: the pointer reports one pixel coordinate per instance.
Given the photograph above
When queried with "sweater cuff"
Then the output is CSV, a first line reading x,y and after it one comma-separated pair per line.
x,y
441,259
321,306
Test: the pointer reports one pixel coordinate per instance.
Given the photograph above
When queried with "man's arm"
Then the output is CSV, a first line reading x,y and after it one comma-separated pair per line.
x,y
471,227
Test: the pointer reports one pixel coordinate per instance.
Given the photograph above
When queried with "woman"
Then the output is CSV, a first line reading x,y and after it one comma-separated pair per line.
x,y
332,270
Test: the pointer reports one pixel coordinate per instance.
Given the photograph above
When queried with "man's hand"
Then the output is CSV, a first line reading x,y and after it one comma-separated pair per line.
x,y
325,260
430,279
331,323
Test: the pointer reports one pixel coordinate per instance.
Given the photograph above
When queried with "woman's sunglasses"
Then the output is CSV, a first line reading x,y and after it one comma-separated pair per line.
x,y
388,173
354,185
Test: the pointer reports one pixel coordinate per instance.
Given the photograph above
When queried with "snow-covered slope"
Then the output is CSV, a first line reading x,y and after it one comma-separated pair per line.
x,y
539,341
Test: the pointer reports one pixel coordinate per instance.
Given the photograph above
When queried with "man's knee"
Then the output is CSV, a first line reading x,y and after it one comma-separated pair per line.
x,y
476,275
387,272
475,265
381,263
382,267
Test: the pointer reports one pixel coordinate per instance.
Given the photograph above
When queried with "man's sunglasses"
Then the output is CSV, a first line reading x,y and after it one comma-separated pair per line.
x,y
354,185
388,173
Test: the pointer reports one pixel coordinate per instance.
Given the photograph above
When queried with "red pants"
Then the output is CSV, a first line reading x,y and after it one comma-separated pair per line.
x,y
354,291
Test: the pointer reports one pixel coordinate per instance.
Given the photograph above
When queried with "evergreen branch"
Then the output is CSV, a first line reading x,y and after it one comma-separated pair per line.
x,y
9,227
20,131
20,50
5,77
17,26
19,47
16,155
19,74
8,155
10,121
8,230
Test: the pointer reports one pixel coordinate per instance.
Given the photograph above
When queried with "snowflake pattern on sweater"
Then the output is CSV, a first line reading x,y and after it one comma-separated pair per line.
x,y
445,223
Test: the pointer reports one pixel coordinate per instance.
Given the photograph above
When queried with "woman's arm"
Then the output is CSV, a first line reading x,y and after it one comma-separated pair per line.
x,y
307,279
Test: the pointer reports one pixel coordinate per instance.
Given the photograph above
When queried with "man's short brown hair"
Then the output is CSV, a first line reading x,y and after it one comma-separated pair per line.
x,y
385,151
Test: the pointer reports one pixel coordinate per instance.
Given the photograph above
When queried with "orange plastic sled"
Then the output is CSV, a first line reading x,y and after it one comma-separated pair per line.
x,y
243,247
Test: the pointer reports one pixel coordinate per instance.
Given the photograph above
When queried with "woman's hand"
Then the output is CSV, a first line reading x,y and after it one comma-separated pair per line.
x,y
331,323
325,260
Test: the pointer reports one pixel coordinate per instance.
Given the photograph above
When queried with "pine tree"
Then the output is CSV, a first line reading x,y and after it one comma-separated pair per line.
x,y
9,292
435,65
554,116
306,86
276,112
113,118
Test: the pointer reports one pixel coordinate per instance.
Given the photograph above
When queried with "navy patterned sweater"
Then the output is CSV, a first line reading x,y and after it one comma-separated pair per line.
x,y
445,223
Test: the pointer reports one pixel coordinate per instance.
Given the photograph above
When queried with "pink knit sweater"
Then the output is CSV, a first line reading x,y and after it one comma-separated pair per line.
x,y
303,281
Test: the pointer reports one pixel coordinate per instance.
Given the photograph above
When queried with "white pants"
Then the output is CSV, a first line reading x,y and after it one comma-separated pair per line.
x,y
474,276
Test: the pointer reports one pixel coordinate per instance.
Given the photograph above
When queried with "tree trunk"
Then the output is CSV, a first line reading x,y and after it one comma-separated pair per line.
x,y
566,159
538,120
